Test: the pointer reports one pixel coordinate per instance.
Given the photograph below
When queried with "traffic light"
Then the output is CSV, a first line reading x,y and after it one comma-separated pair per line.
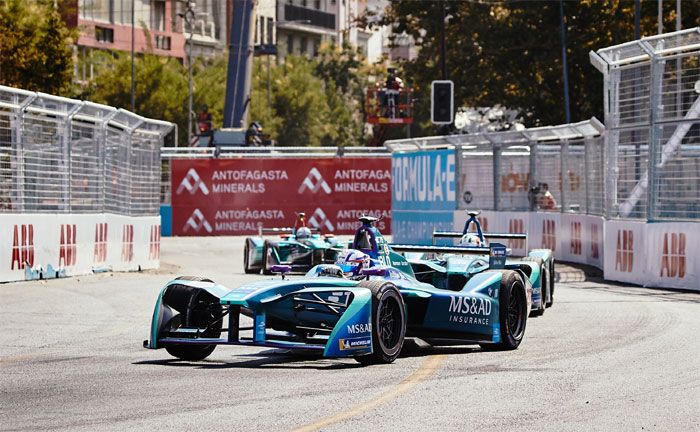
x,y
442,102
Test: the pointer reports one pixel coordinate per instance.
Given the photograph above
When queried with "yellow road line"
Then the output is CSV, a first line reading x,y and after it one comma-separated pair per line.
x,y
429,366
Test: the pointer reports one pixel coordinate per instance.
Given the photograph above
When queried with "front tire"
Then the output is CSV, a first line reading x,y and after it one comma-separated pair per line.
x,y
388,322
512,302
202,311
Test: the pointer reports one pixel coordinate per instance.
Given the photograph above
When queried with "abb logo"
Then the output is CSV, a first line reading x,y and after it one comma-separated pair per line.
x,y
314,182
128,243
100,252
595,251
673,257
549,234
22,247
624,257
320,220
68,250
513,182
154,249
516,226
192,183
576,246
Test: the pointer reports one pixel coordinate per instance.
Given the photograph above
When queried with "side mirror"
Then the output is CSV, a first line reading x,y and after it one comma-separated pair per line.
x,y
373,271
281,269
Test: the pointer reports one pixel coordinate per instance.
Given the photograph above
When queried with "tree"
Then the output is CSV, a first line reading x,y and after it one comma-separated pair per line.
x,y
509,53
160,87
35,51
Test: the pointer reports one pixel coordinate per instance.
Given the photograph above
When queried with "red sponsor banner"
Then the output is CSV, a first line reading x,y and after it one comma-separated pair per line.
x,y
236,196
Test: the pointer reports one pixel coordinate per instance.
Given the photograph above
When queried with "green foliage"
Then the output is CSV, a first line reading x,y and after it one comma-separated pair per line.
x,y
35,51
160,87
509,53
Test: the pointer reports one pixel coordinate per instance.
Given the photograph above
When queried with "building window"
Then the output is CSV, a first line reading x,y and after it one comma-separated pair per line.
x,y
163,42
290,44
303,3
304,46
270,31
96,10
122,11
104,34
317,4
261,27
158,16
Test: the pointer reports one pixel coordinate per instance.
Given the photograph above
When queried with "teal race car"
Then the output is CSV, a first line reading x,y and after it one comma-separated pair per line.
x,y
363,306
541,262
300,247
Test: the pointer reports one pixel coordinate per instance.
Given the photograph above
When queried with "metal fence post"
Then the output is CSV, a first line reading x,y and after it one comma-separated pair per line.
x,y
587,149
657,69
564,166
496,175
19,151
68,141
533,178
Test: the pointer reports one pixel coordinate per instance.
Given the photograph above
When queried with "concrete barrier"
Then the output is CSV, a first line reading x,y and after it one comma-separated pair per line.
x,y
34,246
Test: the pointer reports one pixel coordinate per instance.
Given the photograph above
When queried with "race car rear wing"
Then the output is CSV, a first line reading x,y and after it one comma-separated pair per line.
x,y
496,251
501,236
284,230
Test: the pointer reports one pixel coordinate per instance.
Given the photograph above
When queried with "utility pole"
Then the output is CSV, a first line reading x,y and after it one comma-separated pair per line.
x,y
565,69
133,85
189,20
442,40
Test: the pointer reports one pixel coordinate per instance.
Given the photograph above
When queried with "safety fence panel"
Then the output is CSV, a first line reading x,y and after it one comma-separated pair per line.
x,y
233,196
476,178
62,155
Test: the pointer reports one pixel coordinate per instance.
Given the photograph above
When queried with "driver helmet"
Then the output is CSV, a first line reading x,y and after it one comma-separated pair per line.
x,y
470,240
352,261
303,233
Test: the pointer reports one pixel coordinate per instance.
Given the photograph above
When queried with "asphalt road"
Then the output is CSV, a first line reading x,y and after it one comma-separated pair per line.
x,y
605,357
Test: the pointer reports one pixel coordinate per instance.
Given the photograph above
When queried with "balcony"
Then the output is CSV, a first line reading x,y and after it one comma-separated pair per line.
x,y
310,17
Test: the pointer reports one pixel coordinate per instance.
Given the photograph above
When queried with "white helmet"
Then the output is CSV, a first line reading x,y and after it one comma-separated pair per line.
x,y
470,239
303,233
352,261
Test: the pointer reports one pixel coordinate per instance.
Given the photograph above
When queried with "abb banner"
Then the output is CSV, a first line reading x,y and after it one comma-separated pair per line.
x,y
34,246
237,196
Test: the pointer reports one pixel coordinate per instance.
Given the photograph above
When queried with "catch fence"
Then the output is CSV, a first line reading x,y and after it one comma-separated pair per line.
x,y
521,170
652,118
60,155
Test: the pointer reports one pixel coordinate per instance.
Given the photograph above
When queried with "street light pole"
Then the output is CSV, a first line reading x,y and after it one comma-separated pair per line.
x,y
133,89
189,15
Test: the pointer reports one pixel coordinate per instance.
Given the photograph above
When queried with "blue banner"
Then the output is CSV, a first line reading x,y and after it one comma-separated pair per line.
x,y
423,180
416,227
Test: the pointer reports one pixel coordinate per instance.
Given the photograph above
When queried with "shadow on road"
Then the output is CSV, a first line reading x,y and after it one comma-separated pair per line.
x,y
281,359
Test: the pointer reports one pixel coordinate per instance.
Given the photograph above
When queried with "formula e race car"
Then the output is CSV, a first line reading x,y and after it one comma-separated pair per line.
x,y
363,306
541,261
299,247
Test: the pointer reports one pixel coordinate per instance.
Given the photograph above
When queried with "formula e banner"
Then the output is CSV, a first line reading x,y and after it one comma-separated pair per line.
x,y
424,180
237,196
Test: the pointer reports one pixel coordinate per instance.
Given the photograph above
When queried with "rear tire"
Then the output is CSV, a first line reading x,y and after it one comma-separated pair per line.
x,y
388,322
246,260
266,251
544,286
551,283
512,313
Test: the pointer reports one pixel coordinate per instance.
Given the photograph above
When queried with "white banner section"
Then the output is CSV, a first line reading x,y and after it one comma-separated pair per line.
x,y
34,246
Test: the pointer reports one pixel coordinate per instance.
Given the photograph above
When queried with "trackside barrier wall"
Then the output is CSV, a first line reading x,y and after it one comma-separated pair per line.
x,y
78,187
35,246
